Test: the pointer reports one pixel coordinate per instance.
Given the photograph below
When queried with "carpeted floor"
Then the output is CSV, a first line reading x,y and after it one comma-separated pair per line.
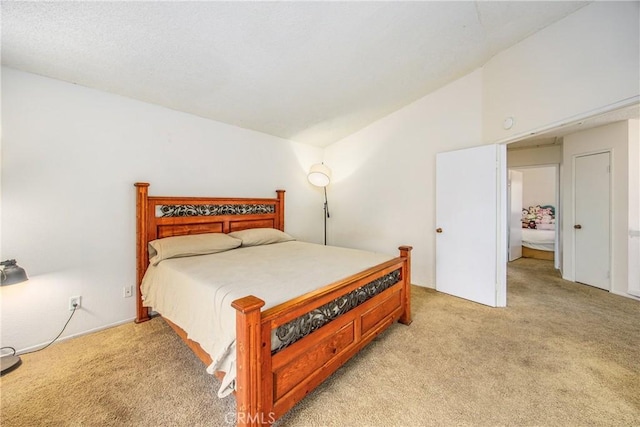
x,y
561,354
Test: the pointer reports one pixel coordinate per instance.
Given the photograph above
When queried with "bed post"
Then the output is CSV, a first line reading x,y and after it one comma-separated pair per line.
x,y
249,394
280,219
405,252
142,313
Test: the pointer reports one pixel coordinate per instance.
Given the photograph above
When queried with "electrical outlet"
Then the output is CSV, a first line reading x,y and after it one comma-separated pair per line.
x,y
127,291
75,301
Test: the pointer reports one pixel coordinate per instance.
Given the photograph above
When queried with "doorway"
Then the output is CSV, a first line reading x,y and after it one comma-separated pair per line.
x,y
566,144
539,211
618,140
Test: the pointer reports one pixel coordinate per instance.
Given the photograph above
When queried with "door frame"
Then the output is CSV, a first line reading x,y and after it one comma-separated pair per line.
x,y
567,122
502,257
610,151
510,213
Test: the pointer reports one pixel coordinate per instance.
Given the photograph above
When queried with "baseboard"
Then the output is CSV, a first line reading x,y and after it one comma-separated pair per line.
x,y
79,334
624,294
423,286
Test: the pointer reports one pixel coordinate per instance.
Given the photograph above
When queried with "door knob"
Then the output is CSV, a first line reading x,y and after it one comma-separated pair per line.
x,y
577,226
438,230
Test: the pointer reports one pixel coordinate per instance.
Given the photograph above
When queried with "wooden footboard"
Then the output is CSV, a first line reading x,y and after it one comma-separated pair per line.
x,y
537,254
269,382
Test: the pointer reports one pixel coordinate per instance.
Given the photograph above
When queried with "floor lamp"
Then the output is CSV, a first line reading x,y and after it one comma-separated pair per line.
x,y
320,176
10,274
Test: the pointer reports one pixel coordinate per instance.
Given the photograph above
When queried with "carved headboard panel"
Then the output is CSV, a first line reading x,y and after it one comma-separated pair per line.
x,y
158,217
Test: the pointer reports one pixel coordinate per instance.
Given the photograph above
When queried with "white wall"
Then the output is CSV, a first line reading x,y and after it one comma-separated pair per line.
x,y
539,186
634,207
613,137
383,193
535,156
580,64
70,156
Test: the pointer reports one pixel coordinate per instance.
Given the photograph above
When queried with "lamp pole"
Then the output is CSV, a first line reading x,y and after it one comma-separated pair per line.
x,y
326,214
320,176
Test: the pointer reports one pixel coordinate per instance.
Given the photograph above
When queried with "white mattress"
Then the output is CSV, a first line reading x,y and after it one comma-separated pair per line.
x,y
543,240
196,292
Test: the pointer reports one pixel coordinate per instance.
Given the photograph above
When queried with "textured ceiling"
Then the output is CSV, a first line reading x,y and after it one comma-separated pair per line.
x,y
312,72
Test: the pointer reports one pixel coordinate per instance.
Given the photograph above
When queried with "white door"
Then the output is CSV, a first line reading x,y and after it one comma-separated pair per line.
x,y
592,223
471,243
515,214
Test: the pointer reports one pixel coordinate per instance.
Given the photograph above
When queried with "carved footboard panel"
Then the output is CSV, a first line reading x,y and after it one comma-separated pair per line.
x,y
319,332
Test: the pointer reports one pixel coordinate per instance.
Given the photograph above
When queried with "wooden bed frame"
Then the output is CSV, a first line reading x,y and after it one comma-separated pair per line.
x,y
269,383
537,254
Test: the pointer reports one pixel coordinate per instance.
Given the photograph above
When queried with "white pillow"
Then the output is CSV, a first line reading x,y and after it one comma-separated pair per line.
x,y
192,244
261,236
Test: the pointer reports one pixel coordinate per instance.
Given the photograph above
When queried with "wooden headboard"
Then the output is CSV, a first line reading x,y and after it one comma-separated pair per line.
x,y
159,216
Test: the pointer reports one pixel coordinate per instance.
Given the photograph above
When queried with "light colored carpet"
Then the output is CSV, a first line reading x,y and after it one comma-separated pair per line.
x,y
561,354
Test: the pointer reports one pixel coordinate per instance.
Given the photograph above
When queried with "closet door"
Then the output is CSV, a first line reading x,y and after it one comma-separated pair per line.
x,y
592,224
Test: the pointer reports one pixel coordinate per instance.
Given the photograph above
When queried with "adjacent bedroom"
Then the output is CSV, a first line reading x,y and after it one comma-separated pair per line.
x,y
539,211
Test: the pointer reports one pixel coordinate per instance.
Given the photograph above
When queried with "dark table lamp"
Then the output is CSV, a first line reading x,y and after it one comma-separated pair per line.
x,y
10,274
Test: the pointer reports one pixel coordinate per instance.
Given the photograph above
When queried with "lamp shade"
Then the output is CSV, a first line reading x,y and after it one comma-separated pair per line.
x,y
319,175
11,273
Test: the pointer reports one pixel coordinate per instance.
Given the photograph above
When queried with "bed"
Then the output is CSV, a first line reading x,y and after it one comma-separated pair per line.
x,y
538,232
283,347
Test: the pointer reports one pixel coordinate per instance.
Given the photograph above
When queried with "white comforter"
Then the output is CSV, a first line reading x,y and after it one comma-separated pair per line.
x,y
196,292
543,240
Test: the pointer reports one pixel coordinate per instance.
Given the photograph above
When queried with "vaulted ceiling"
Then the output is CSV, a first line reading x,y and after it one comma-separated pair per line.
x,y
312,72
